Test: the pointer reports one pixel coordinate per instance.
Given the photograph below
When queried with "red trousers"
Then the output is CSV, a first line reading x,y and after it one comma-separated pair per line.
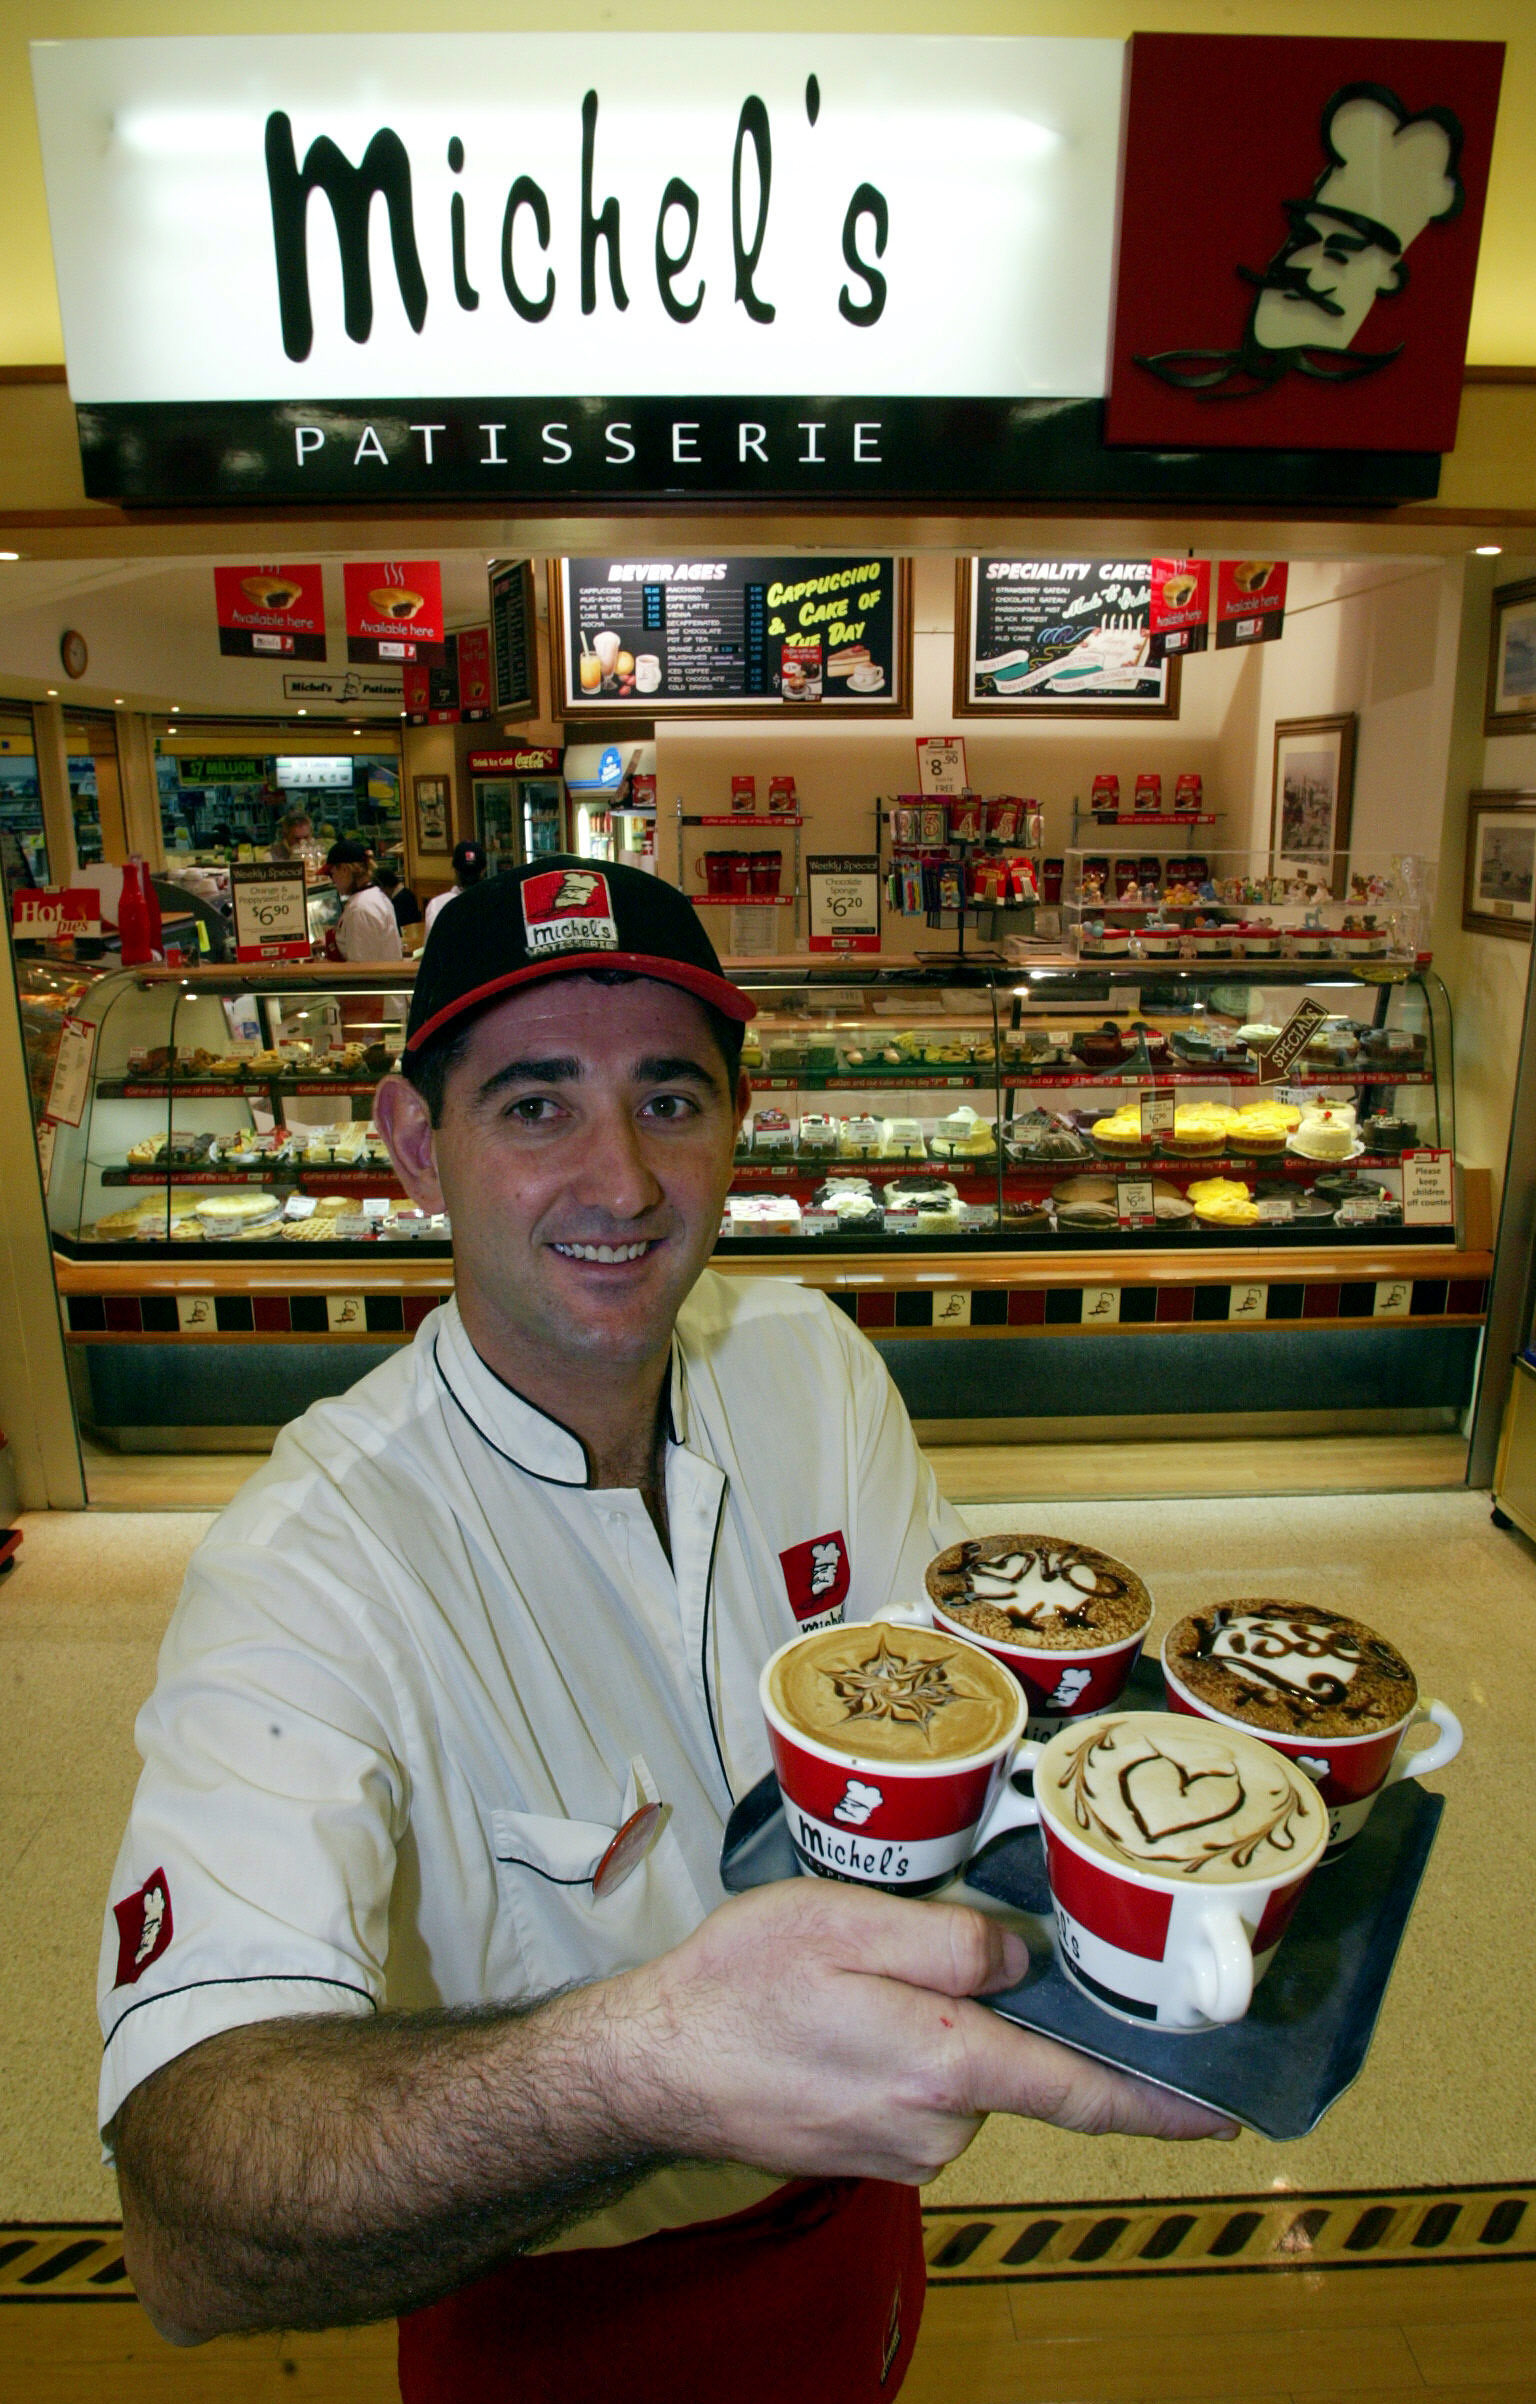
x,y
813,2297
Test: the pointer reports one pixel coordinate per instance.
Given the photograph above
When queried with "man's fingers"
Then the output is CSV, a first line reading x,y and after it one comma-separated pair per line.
x,y
1013,2070
942,1946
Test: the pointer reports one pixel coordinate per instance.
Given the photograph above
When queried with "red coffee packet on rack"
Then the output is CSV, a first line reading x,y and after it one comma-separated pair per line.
x,y
743,796
1149,794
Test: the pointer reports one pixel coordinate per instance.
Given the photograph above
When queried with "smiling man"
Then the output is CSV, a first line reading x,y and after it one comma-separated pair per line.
x,y
420,1991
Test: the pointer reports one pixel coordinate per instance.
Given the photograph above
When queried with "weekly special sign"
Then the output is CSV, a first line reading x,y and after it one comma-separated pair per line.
x,y
492,267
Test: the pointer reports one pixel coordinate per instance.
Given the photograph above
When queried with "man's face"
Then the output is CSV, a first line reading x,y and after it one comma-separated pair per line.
x,y
584,1156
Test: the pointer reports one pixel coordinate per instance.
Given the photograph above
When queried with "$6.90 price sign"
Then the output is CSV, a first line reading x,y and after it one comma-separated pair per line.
x,y
271,912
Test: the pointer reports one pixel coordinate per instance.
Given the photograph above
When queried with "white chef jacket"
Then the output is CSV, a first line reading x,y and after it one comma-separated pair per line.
x,y
369,929
439,901
421,1671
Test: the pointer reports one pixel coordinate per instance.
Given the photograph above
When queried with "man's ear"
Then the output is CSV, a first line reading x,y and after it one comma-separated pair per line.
x,y
404,1121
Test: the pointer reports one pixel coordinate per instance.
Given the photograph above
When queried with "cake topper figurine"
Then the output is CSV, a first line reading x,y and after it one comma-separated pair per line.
x,y
1389,175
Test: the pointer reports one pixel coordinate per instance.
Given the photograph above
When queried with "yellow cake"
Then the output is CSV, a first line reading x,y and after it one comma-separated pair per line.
x,y
1121,1130
1223,1202
1202,1126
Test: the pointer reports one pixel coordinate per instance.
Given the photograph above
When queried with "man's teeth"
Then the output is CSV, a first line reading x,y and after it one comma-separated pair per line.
x,y
605,1252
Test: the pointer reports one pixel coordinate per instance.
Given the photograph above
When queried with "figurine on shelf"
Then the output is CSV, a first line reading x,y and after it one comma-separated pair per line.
x,y
1130,891
1208,891
1093,885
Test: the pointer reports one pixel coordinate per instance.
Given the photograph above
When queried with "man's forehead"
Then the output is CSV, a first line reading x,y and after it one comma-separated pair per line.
x,y
597,1020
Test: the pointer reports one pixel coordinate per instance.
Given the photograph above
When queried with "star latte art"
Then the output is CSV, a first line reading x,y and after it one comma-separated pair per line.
x,y
884,1692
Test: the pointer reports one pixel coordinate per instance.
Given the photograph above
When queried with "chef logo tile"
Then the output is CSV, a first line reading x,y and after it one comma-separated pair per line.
x,y
1298,274
816,1579
569,910
143,1928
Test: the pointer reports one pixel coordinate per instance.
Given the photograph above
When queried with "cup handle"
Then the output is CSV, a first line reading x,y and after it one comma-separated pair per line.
x,y
1434,1757
1220,1976
907,1615
1010,1809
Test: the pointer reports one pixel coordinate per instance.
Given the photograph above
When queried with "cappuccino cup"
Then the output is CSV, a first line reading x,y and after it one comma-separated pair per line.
x,y
1065,1620
892,1743
1176,1854
1320,1687
647,672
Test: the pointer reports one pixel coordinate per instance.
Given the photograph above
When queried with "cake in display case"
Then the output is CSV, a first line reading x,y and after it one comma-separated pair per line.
x,y
986,1109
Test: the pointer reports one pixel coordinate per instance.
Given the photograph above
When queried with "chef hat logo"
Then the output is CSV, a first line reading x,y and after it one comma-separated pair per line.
x,y
1390,172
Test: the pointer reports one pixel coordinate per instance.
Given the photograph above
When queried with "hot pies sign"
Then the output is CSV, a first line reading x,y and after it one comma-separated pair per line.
x,y
402,266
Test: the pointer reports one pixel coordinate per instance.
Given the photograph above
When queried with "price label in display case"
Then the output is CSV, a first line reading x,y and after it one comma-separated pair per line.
x,y
1156,1115
1133,1202
72,1072
271,911
1429,1198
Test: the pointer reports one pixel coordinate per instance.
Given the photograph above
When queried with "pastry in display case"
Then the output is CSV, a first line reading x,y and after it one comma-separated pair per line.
x,y
985,1116
233,1107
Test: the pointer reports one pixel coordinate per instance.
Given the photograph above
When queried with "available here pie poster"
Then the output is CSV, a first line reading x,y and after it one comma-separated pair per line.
x,y
271,612
394,609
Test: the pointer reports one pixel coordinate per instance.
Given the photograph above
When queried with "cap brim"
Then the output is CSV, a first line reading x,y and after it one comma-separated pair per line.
x,y
719,992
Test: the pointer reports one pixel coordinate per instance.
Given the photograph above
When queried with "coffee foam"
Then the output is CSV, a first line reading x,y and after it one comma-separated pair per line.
x,y
1038,1591
1159,1792
1293,1669
879,1692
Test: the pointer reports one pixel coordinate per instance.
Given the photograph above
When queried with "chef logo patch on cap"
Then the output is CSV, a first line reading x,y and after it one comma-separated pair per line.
x,y
143,1928
569,910
816,1578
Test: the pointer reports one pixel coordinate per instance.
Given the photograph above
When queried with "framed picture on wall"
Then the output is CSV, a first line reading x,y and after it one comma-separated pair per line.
x,y
1312,799
433,832
1512,662
1498,893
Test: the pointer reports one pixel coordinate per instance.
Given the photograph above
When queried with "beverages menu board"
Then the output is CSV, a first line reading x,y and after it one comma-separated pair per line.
x,y
686,636
512,620
1063,636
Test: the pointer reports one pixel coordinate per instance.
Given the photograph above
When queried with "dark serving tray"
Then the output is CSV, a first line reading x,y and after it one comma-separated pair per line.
x,y
1309,2028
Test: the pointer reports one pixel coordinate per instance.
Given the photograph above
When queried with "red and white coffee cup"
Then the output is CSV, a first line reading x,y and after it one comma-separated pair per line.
x,y
1059,1685
906,1826
1154,1947
1349,1772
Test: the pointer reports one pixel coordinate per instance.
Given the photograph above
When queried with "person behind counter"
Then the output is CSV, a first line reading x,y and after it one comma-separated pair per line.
x,y
402,900
295,829
367,929
470,862
379,2039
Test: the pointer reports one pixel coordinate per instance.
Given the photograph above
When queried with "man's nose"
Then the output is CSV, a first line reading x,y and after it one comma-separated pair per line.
x,y
616,1176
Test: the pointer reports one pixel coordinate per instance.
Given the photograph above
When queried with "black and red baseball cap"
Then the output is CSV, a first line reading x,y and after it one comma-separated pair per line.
x,y
557,917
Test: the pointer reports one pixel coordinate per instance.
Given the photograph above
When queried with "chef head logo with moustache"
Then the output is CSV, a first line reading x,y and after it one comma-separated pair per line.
x,y
1389,175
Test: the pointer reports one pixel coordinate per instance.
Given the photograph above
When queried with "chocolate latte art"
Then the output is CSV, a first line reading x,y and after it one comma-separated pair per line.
x,y
1165,1793
1038,1591
1292,1668
886,1693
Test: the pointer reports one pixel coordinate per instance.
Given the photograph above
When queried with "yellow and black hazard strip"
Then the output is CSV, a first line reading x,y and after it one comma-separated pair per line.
x,y
1345,2229
978,2244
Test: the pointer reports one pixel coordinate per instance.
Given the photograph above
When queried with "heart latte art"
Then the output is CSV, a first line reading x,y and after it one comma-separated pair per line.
x,y
1165,1794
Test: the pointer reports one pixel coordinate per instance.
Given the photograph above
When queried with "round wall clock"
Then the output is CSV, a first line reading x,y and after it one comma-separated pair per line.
x,y
72,652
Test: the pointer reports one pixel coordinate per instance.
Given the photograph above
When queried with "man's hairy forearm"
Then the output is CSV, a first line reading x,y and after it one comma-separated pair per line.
x,y
309,2172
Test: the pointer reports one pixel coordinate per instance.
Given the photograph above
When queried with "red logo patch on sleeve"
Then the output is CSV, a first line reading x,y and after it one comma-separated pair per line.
x,y
816,1578
143,1928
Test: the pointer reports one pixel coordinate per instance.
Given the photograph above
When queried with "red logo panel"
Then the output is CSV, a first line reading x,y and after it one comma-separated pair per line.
x,y
817,1575
1133,1917
143,1928
1299,223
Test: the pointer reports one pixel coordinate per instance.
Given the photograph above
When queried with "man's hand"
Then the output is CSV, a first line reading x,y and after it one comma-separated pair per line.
x,y
822,2029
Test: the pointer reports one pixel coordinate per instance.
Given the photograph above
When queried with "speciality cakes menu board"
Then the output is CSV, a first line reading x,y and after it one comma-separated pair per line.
x,y
696,637
1059,637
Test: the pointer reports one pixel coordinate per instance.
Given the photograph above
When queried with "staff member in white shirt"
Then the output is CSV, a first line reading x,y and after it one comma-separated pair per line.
x,y
368,928
391,2028
470,861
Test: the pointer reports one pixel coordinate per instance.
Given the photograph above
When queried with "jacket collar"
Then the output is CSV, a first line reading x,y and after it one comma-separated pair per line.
x,y
516,1428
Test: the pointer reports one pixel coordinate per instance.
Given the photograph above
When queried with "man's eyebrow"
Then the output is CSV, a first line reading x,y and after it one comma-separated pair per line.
x,y
562,1070
673,1068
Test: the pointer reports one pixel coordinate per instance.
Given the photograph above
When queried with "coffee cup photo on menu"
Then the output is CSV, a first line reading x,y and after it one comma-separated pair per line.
x,y
1066,1620
892,1745
1322,1688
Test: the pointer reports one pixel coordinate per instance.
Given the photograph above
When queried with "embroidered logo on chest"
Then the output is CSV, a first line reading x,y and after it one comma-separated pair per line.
x,y
816,1579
